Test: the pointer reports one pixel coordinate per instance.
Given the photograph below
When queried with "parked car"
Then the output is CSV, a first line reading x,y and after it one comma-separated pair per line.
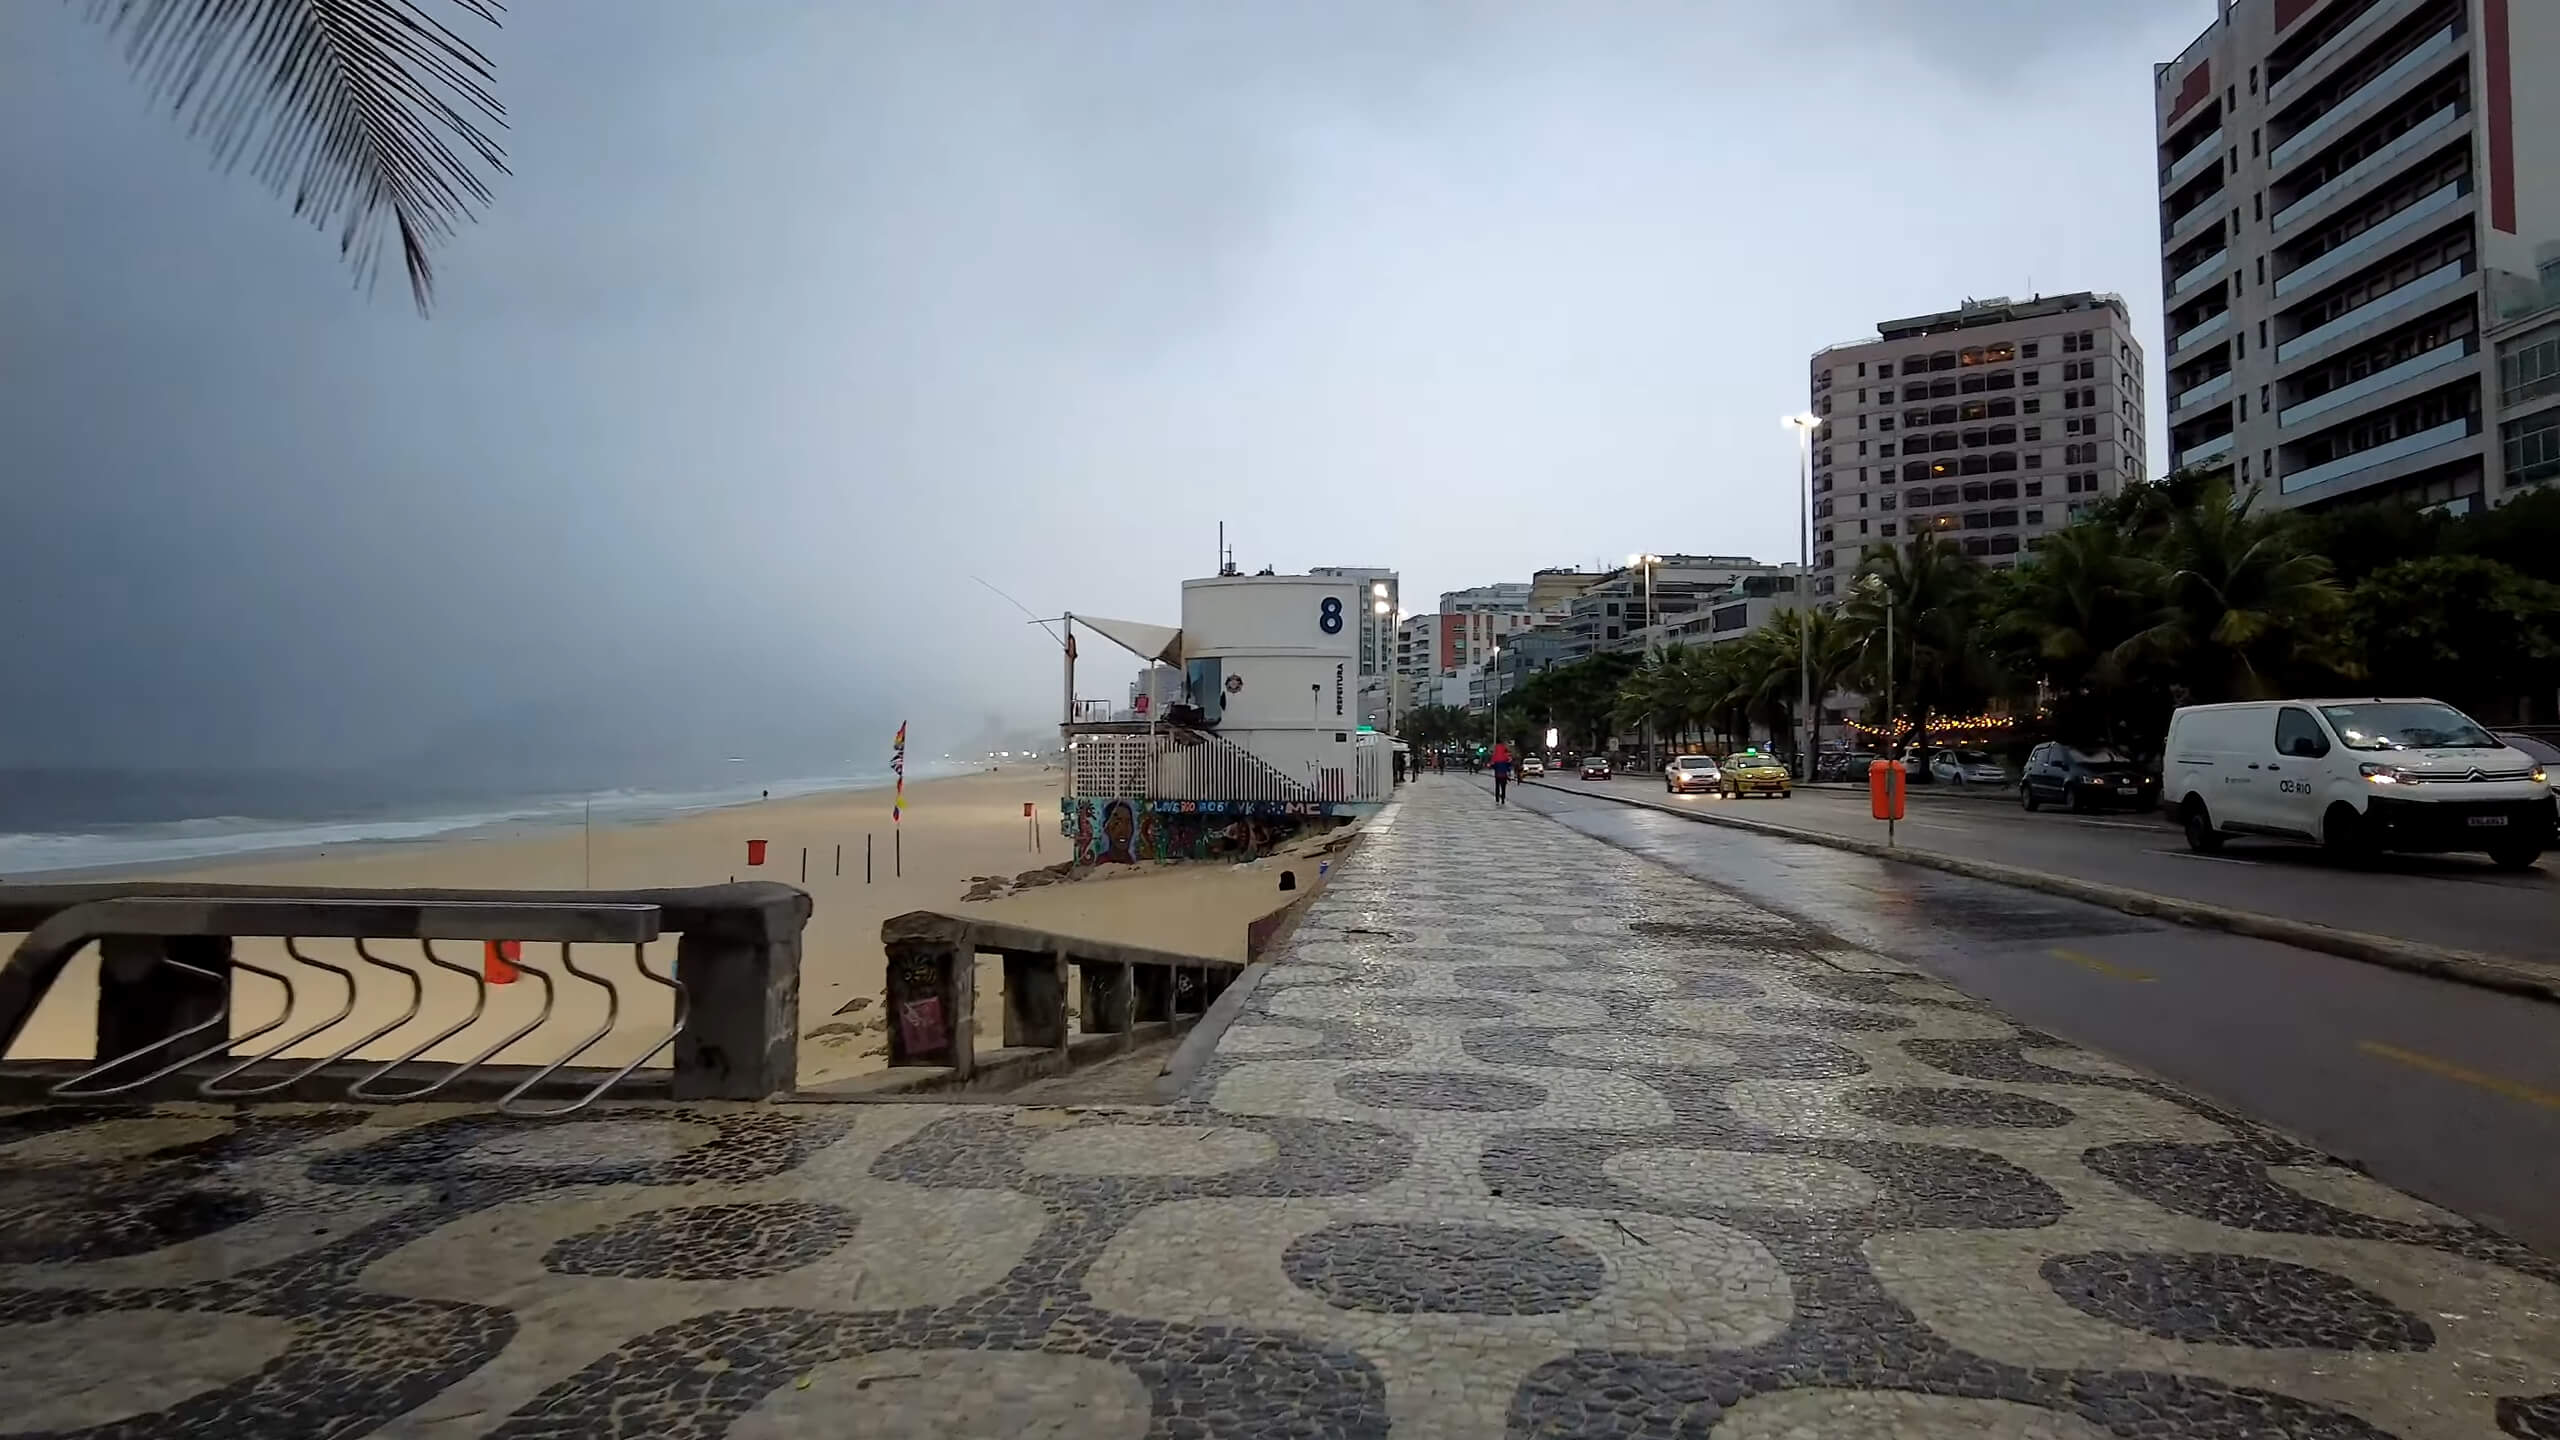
x,y
1532,766
1849,765
2357,776
2100,779
1595,767
1966,767
1754,772
1692,772
2541,752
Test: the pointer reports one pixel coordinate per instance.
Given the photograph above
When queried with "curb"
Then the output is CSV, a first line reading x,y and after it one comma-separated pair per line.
x,y
2462,967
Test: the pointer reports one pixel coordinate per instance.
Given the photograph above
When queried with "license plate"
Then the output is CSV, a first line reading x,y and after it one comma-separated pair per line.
x,y
2488,819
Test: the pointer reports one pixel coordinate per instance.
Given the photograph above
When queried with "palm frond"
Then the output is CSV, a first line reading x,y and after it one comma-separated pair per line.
x,y
369,115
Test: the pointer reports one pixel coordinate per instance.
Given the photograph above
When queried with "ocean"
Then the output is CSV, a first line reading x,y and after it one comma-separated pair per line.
x,y
52,841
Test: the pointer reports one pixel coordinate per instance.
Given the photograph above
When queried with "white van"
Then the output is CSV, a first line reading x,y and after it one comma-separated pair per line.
x,y
2354,775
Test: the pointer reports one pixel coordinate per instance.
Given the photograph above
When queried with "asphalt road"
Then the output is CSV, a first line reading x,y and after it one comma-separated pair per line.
x,y
2457,901
2447,1091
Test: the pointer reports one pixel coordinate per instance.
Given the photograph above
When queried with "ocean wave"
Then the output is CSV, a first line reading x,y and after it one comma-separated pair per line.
x,y
211,837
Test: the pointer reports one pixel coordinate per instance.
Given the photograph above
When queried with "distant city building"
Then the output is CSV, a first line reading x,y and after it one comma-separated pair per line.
x,y
1550,589
1611,612
2359,212
1509,597
1988,425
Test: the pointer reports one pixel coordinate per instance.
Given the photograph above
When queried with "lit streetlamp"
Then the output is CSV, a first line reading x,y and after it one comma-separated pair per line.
x,y
1804,426
1648,562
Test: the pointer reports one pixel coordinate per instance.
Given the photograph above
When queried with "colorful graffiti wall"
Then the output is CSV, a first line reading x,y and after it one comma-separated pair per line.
x,y
1106,830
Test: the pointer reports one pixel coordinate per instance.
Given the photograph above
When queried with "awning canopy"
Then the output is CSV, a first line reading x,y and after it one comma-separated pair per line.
x,y
1148,642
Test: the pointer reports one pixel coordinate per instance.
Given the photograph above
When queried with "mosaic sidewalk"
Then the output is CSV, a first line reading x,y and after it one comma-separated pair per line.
x,y
1519,1135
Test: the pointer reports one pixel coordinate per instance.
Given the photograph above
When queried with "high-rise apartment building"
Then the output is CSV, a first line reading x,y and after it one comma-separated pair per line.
x,y
2353,195
1987,425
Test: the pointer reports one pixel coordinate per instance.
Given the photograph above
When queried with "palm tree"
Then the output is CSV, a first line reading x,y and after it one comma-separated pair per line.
x,y
1815,643
2077,613
2248,603
369,115
1939,657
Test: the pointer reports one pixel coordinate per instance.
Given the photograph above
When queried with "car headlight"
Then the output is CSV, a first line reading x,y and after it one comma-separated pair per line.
x,y
2537,775
2389,775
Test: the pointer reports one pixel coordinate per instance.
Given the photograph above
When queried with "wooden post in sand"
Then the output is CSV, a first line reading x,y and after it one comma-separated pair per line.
x,y
804,864
839,859
866,858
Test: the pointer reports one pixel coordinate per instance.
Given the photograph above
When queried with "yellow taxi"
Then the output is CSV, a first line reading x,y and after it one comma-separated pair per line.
x,y
1752,772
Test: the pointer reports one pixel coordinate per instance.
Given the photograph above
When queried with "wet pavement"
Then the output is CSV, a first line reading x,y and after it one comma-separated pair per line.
x,y
1520,1134
2442,1089
2460,902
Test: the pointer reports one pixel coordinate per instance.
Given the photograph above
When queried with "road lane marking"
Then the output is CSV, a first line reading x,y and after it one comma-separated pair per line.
x,y
2096,966
2495,1084
2191,855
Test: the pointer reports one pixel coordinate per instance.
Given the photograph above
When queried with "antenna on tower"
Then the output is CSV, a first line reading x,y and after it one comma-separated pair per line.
x,y
1226,556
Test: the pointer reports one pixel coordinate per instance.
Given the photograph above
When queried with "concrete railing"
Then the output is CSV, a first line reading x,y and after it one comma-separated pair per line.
x,y
165,1022
1063,998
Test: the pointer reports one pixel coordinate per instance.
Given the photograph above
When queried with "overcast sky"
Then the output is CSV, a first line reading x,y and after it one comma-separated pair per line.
x,y
793,317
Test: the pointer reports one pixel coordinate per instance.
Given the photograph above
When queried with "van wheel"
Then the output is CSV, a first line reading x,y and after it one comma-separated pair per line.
x,y
2027,797
2515,857
2342,833
2197,821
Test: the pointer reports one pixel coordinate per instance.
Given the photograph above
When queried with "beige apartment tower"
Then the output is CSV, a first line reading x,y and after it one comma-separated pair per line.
x,y
2359,201
1988,425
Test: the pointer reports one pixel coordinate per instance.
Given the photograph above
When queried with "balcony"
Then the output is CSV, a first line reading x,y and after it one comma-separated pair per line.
x,y
2190,221
2337,47
2196,274
2220,323
2187,400
2434,282
2211,450
2194,160
2373,242
2452,352
2451,432
2333,121
2426,132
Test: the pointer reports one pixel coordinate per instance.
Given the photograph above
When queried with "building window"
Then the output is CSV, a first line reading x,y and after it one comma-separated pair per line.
x,y
1885,450
2533,448
2004,544
2003,407
2003,380
2530,370
1884,502
1887,531
2004,489
2032,377
1884,422
2001,519
1885,371
2027,351
2034,489
2035,517
2035,461
2003,461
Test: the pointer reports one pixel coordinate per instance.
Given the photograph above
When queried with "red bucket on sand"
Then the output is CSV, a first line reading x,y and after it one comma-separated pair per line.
x,y
755,852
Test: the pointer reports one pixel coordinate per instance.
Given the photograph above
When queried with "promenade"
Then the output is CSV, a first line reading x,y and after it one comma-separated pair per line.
x,y
1520,1134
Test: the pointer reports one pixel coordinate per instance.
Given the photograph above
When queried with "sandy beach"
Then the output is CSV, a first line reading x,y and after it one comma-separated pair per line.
x,y
954,830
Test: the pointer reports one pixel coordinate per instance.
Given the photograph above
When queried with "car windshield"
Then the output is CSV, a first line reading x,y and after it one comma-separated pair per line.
x,y
2102,760
1972,757
1592,762
1694,762
2406,726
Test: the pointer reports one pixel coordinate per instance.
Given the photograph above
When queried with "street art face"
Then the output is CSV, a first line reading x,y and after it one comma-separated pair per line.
x,y
1119,832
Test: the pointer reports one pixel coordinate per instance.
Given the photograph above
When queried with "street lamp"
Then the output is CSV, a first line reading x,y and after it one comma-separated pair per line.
x,y
1804,426
1386,688
1648,562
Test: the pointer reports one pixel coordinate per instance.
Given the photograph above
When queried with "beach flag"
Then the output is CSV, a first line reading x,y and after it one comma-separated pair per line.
x,y
898,767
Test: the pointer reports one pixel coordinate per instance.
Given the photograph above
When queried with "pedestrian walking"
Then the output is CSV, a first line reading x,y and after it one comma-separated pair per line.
x,y
1501,773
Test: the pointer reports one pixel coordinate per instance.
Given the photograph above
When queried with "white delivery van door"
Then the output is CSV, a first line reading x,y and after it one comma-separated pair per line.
x,y
2291,791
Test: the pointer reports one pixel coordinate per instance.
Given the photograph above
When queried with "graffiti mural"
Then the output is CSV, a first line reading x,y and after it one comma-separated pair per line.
x,y
1108,830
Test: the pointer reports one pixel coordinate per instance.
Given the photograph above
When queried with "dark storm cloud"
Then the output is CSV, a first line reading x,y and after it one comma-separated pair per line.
x,y
792,318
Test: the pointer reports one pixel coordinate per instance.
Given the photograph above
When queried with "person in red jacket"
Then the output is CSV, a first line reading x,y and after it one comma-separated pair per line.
x,y
1501,773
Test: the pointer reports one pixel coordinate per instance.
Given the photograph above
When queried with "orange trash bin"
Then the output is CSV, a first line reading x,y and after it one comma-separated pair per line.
x,y
755,852
1884,788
